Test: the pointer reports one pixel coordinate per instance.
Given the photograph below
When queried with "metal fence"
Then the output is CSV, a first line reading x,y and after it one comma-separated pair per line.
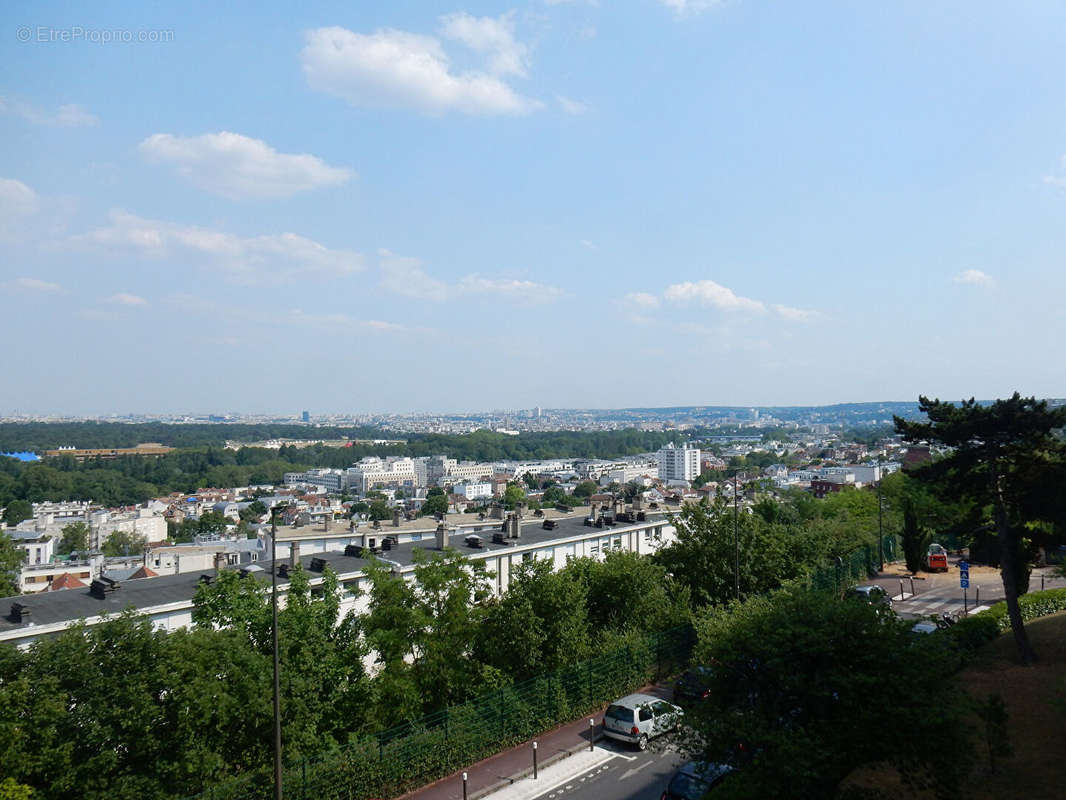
x,y
859,565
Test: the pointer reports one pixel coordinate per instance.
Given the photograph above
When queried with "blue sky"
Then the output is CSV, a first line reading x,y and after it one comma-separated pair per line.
x,y
451,206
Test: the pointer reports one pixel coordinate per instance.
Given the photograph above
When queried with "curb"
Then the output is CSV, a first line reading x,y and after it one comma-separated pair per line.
x,y
525,773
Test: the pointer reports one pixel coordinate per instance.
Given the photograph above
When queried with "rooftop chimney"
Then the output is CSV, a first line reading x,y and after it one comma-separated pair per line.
x,y
397,515
442,536
514,526
638,504
294,554
220,560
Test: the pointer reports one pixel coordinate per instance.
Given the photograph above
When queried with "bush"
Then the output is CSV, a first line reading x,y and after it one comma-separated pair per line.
x,y
972,632
1033,606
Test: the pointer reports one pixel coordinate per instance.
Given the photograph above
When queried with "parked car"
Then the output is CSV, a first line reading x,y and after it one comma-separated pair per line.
x,y
694,684
694,780
872,594
637,718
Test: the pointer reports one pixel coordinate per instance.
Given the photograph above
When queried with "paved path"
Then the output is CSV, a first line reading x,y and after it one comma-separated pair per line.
x,y
940,593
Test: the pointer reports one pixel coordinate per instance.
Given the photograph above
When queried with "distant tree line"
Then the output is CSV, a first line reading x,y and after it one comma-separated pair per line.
x,y
133,479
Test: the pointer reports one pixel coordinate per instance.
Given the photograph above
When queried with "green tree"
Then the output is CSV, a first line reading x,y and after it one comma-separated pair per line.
x,y
10,790
999,453
253,512
11,558
540,623
17,511
379,510
122,543
213,522
630,592
799,686
74,538
513,495
436,503
703,558
586,489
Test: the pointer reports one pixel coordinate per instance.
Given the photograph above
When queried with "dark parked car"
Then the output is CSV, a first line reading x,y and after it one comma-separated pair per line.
x,y
694,780
695,684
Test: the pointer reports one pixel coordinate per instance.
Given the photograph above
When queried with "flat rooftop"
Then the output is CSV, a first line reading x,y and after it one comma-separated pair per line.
x,y
141,594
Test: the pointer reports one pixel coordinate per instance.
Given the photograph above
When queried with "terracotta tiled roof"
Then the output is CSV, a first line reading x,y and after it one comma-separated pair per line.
x,y
65,581
144,572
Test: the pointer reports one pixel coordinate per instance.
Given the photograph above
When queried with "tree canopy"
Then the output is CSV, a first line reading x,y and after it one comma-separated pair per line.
x,y
1006,457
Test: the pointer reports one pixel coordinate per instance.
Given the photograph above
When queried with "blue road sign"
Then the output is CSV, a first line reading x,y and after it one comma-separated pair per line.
x,y
964,582
964,566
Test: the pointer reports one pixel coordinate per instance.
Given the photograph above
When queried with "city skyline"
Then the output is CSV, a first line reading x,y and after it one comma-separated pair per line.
x,y
451,206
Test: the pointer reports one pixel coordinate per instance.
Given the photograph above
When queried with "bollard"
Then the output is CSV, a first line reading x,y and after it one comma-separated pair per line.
x,y
912,586
534,760
592,733
901,588
464,786
977,599
1041,583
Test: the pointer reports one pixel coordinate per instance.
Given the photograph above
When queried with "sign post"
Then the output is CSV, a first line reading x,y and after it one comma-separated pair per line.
x,y
964,582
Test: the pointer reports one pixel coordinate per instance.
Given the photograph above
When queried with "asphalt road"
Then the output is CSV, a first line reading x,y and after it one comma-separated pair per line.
x,y
629,775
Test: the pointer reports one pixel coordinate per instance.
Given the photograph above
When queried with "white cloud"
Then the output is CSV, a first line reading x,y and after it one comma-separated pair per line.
x,y
397,69
245,259
709,293
490,36
571,106
641,300
688,7
237,166
794,314
66,116
525,291
340,321
404,275
123,299
35,285
17,200
974,277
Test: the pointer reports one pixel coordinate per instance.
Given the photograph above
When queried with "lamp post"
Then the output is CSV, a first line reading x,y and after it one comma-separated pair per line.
x,y
274,634
736,538
880,526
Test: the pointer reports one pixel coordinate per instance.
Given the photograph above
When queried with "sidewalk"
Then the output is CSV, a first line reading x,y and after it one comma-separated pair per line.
x,y
561,753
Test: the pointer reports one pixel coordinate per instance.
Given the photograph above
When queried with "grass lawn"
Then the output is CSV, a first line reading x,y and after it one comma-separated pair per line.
x,y
1036,702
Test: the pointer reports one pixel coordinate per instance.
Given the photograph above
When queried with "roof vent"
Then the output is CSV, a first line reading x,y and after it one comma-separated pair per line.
x,y
386,543
283,570
317,564
19,612
100,587
499,538
205,579
353,551
548,525
474,541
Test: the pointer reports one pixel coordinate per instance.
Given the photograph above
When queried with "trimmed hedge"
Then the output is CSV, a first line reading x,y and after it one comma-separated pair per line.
x,y
1032,605
971,632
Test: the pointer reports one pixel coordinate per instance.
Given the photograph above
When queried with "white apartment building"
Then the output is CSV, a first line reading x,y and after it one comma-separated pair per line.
x,y
473,491
49,519
394,471
678,463
332,480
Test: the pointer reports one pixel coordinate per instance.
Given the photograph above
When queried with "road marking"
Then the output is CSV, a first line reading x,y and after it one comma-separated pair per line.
x,y
629,773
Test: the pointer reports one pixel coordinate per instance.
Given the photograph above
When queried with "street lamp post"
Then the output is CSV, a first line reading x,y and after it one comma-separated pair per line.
x,y
736,539
274,633
880,526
